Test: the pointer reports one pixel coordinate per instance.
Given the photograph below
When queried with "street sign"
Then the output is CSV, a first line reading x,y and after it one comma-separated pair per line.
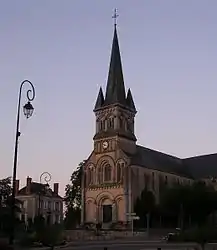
x,y
135,218
131,214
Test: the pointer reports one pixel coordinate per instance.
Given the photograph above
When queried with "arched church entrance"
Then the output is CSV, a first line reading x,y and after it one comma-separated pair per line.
x,y
106,209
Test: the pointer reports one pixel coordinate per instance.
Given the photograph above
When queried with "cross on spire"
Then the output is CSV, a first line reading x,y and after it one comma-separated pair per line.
x,y
115,16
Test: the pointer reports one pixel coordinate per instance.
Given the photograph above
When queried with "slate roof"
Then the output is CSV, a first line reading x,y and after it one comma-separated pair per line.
x,y
115,88
197,167
38,188
203,166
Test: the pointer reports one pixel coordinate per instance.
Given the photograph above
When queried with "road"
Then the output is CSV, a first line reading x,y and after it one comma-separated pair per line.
x,y
131,245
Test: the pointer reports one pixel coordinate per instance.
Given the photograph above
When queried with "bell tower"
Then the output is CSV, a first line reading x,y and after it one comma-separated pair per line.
x,y
115,111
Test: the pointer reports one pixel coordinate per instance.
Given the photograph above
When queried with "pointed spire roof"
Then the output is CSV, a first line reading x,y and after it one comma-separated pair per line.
x,y
129,101
115,90
99,100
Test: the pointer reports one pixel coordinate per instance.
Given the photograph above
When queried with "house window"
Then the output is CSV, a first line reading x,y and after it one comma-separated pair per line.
x,y
49,205
57,219
107,173
57,206
45,204
166,180
41,204
25,203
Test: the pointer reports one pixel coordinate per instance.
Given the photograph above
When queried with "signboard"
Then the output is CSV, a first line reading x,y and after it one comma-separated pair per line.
x,y
131,214
135,218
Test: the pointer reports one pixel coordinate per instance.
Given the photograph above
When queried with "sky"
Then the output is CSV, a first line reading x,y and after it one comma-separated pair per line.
x,y
169,57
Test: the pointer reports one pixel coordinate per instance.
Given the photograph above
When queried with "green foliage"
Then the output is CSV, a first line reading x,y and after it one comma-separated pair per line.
x,y
195,202
53,235
201,235
5,205
27,239
44,235
72,197
179,206
72,217
144,205
5,189
39,225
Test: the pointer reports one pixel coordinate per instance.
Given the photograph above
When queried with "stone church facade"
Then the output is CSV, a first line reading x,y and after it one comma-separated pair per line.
x,y
118,169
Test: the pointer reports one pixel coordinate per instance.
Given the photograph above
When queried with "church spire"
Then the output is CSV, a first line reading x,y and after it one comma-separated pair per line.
x,y
99,100
115,90
129,101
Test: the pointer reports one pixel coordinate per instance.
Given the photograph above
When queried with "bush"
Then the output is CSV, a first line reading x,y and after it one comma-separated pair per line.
x,y
201,235
27,239
53,235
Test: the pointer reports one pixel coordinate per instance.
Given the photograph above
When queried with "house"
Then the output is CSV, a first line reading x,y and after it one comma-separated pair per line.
x,y
40,199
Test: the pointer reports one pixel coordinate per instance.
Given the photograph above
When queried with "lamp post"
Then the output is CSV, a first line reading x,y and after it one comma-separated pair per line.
x,y
46,177
28,111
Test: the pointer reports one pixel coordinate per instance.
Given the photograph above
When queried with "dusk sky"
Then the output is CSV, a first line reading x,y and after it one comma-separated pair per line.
x,y
169,57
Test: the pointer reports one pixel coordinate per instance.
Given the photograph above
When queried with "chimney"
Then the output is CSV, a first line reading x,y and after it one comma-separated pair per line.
x,y
17,184
28,185
56,188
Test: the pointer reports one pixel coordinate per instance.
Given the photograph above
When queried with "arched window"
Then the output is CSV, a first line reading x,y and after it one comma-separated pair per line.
x,y
102,125
90,176
111,122
99,175
107,172
121,122
120,167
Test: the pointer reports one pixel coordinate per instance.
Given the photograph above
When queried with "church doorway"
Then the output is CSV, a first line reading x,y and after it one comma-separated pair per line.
x,y
107,213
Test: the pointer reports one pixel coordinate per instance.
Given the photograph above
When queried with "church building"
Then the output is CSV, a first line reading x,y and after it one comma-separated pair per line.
x,y
118,169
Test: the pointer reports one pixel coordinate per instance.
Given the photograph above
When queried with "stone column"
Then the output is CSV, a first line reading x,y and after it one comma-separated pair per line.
x,y
96,214
114,212
126,194
130,209
82,197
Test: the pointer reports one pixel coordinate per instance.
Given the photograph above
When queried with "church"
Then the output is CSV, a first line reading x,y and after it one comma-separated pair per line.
x,y
118,169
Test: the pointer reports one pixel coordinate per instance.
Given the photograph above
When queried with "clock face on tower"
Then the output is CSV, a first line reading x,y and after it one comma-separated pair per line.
x,y
105,145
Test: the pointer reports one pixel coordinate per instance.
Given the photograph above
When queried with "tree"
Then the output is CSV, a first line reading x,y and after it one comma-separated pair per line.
x,y
144,205
6,203
188,203
72,197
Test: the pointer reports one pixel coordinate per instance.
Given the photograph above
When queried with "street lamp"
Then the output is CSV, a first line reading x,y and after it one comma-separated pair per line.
x,y
46,177
28,111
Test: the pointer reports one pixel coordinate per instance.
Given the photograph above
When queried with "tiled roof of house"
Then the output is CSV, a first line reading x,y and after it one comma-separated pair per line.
x,y
38,188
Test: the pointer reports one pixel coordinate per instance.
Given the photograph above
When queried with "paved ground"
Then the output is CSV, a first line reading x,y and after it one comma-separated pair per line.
x,y
131,245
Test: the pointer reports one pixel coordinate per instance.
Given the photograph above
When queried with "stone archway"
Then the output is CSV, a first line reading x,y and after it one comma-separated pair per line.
x,y
106,210
105,203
